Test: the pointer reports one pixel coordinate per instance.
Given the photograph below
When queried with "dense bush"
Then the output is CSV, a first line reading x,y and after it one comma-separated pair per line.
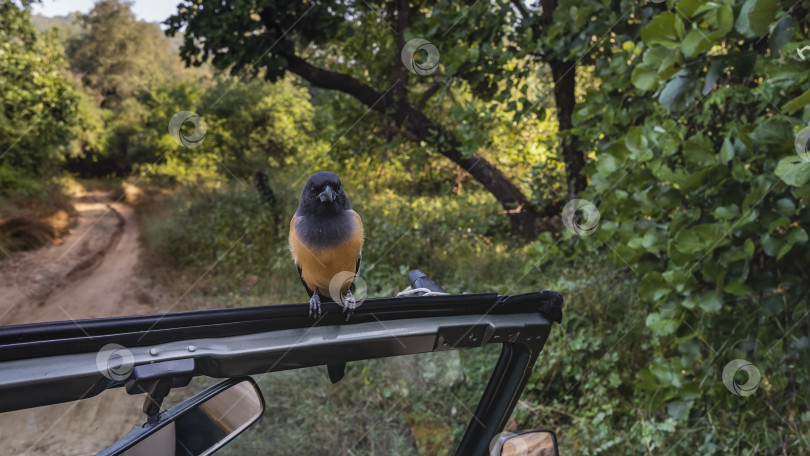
x,y
703,197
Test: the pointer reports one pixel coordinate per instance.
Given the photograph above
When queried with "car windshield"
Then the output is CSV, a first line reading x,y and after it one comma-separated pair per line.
x,y
406,405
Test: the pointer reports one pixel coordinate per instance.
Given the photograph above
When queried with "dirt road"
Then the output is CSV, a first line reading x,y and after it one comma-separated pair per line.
x,y
90,274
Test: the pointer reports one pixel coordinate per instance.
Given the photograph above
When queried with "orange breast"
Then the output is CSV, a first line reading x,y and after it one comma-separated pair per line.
x,y
320,266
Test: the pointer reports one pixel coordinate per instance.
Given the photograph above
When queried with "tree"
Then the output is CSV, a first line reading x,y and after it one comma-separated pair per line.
x,y
117,56
276,37
38,106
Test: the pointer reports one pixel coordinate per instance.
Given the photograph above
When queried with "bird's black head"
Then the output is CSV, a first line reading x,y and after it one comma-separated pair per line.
x,y
323,195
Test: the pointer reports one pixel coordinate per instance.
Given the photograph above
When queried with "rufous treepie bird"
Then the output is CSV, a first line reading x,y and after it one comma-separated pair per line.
x,y
326,241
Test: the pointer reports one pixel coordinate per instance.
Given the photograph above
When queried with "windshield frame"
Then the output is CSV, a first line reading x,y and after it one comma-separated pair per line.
x,y
47,363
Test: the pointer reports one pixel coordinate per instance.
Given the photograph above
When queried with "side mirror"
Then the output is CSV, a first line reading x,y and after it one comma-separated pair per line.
x,y
198,426
525,443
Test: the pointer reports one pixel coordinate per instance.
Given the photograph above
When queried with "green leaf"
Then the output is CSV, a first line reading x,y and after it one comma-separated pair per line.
x,y
712,76
696,41
784,250
636,143
793,171
760,15
690,302
781,35
699,40
687,241
697,152
738,288
749,248
678,92
644,78
726,212
771,245
689,7
773,130
709,302
679,409
724,22
785,207
726,151
798,102
665,29
653,287
677,279
743,24
607,164
662,326
796,235
654,240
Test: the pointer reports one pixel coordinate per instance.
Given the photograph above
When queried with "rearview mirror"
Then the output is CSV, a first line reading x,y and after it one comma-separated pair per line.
x,y
525,443
198,426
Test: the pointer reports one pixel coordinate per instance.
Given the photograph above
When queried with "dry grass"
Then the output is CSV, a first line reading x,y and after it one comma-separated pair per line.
x,y
24,233
33,219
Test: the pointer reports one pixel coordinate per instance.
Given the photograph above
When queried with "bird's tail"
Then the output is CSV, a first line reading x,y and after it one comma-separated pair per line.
x,y
336,371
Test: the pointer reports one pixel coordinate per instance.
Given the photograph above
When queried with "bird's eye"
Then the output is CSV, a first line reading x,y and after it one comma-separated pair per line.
x,y
313,191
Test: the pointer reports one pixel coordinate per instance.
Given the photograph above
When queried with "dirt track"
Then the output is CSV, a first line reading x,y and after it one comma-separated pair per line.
x,y
90,274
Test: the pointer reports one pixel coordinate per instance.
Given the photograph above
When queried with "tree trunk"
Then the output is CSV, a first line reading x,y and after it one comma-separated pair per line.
x,y
565,78
564,74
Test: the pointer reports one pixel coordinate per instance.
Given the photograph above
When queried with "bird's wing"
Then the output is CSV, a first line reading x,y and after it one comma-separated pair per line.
x,y
297,265
362,238
309,292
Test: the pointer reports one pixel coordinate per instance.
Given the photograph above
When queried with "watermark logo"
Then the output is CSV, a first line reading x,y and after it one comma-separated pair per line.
x,y
115,362
340,290
803,52
187,119
533,6
800,143
35,281
441,369
113,50
427,65
581,217
750,386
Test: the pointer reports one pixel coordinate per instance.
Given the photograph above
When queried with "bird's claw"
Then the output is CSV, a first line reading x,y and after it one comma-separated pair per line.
x,y
315,305
349,304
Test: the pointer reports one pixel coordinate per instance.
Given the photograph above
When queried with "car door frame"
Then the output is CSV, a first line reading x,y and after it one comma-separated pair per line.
x,y
46,363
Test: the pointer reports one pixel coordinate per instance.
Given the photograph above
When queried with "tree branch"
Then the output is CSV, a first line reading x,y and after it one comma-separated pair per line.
x,y
525,219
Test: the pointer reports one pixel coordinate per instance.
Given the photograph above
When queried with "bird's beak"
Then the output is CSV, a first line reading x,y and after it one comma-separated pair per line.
x,y
327,195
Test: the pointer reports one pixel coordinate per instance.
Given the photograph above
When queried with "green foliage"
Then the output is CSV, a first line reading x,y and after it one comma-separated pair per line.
x,y
117,56
254,125
236,229
701,194
475,93
38,105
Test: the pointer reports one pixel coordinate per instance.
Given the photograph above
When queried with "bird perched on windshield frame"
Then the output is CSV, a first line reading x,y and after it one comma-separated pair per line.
x,y
326,242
